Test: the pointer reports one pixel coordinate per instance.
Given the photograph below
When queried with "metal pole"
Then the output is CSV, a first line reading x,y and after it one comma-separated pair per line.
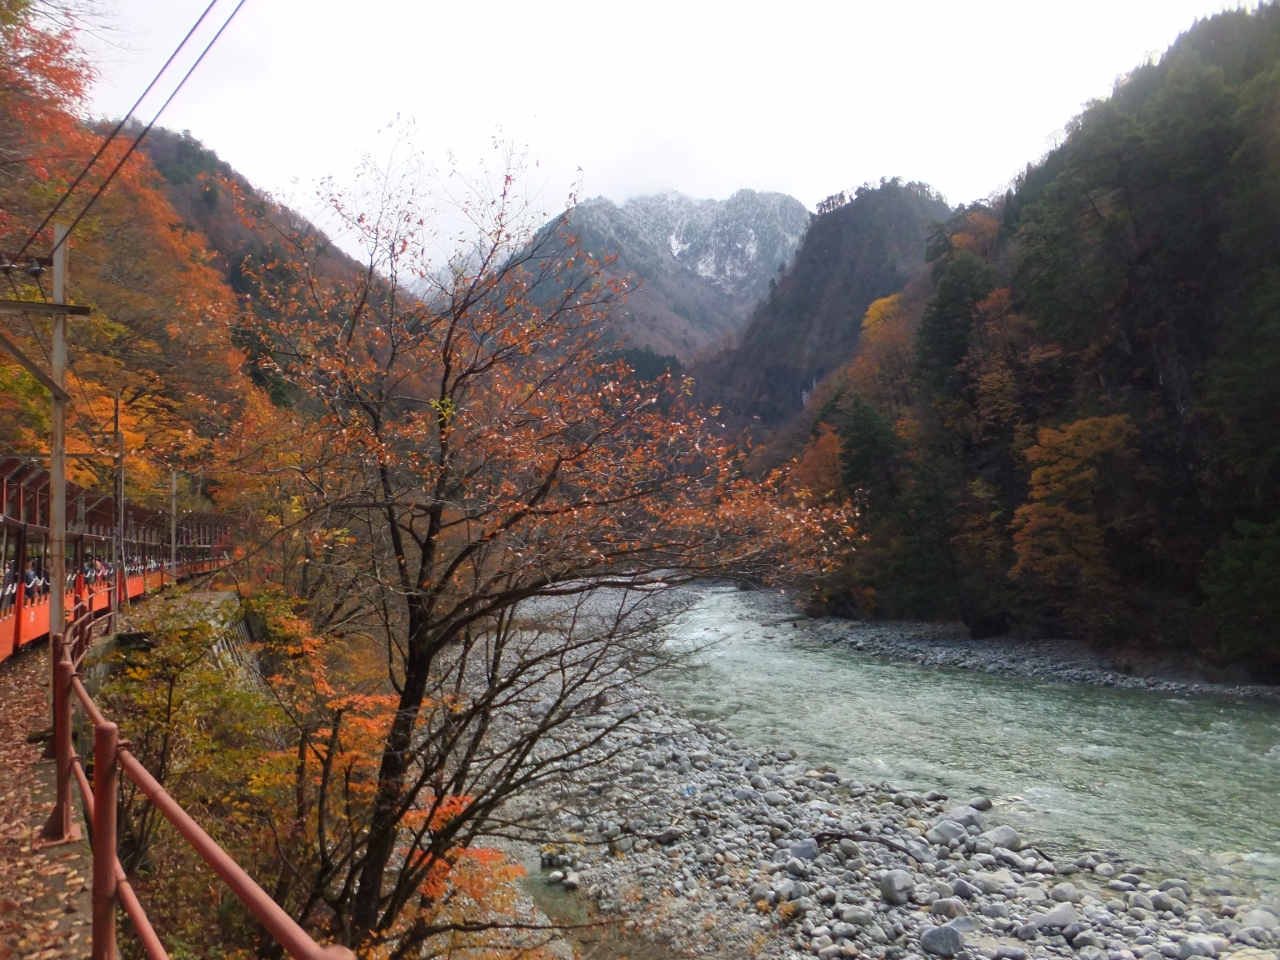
x,y
60,826
173,524
58,451
106,779
119,585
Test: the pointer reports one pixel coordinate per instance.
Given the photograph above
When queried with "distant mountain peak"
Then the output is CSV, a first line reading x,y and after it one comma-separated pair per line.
x,y
704,263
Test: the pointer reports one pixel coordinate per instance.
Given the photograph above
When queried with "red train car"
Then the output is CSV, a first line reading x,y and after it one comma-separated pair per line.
x,y
90,568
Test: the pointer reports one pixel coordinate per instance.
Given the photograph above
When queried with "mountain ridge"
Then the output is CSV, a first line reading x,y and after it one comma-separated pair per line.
x,y
702,264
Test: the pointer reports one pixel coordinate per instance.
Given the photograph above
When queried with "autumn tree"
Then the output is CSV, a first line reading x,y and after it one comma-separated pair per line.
x,y
1059,536
479,495
156,334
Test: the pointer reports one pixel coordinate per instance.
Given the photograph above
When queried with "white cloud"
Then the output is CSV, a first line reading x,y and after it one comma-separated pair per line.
x,y
703,97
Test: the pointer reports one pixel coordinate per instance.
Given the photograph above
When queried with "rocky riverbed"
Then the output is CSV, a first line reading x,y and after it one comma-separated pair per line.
x,y
948,645
691,837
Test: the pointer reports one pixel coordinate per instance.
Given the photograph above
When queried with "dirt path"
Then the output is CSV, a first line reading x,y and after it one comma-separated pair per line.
x,y
44,894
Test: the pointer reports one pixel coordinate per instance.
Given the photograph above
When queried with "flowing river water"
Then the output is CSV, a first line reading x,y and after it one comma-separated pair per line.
x,y
1187,785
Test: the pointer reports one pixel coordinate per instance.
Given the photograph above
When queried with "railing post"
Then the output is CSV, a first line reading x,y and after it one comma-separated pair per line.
x,y
56,642
60,827
106,742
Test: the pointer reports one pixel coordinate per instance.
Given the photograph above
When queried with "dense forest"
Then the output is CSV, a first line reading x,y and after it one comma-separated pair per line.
x,y
1065,422
860,251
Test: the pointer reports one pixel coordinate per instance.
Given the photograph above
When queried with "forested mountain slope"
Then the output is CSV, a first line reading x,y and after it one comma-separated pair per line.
x,y
809,321
1068,422
210,196
156,334
702,264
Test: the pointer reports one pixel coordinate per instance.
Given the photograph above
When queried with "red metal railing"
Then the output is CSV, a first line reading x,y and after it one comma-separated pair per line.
x,y
101,801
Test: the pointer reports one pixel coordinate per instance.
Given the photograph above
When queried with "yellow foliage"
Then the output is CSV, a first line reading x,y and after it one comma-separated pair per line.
x,y
1057,537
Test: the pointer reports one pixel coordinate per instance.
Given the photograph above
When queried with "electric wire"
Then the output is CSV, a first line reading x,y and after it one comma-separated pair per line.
x,y
114,133
147,129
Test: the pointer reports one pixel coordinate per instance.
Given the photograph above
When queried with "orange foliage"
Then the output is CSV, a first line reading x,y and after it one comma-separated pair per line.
x,y
816,475
978,234
158,332
1058,537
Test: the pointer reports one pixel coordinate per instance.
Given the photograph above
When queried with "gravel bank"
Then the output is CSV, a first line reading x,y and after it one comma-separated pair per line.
x,y
948,645
690,837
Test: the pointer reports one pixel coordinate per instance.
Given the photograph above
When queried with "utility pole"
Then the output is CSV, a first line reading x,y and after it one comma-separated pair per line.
x,y
118,584
173,524
58,446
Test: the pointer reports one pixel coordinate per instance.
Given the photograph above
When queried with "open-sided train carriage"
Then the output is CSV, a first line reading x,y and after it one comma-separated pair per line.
x,y
90,565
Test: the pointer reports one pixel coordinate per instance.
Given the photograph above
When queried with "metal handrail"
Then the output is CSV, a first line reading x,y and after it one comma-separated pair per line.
x,y
101,801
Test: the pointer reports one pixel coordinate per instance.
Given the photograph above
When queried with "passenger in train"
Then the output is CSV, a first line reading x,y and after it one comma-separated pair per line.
x,y
8,587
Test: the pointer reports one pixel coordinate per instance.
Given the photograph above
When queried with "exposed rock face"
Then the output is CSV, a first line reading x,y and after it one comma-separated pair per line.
x,y
703,264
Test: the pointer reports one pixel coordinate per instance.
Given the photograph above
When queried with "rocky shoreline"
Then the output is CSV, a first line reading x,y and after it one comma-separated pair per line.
x,y
690,838
948,645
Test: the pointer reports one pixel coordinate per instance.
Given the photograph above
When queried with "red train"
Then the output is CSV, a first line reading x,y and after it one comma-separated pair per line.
x,y
91,521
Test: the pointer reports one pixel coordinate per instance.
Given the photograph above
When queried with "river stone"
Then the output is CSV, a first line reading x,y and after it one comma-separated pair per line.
x,y
980,803
945,831
1092,953
1065,893
896,886
1257,918
843,931
570,881
1033,893
1003,836
1010,953
775,799
949,907
1196,947
963,924
796,866
670,835
1162,901
806,849
858,916
993,882
942,941
964,816
963,889
1057,918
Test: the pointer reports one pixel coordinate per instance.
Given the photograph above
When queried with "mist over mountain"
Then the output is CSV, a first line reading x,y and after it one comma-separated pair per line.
x,y
702,264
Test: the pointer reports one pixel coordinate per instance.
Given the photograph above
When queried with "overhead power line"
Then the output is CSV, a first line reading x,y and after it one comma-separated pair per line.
x,y
66,195
147,129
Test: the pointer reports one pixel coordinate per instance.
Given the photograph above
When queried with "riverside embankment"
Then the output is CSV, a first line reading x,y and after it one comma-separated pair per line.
x,y
821,808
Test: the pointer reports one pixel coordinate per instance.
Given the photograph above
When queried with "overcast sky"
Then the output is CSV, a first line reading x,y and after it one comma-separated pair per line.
x,y
697,96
